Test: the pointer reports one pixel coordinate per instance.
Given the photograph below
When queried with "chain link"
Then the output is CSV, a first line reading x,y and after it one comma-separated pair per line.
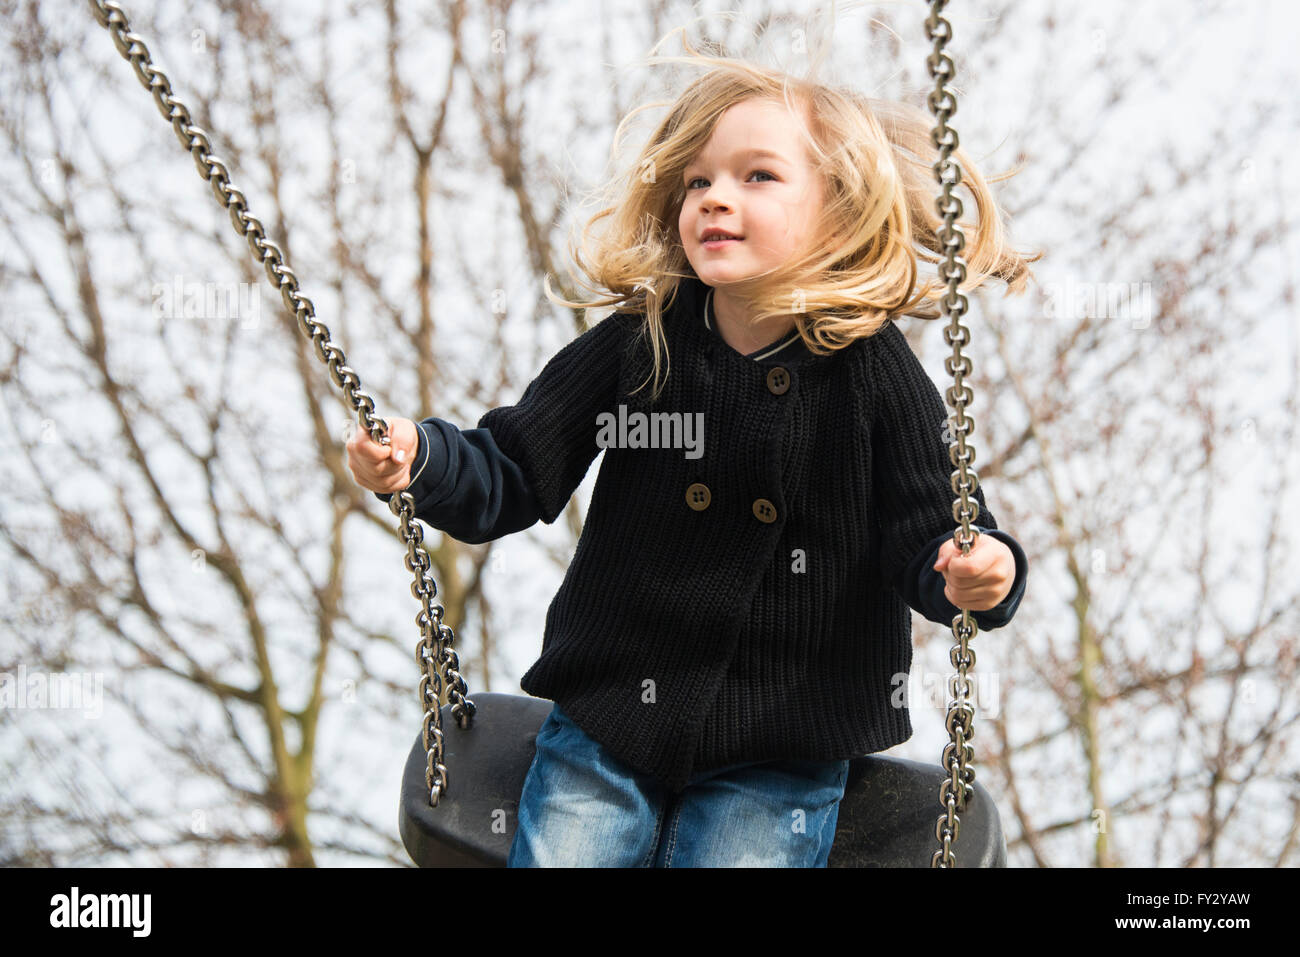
x,y
434,654
958,756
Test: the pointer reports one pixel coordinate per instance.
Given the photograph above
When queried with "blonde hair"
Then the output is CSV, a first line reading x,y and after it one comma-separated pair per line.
x,y
860,269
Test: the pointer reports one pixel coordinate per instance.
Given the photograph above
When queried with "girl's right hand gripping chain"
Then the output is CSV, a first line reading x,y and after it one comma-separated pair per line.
x,y
384,468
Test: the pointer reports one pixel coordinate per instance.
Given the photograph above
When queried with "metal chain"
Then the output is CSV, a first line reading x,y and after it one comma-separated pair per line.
x,y
434,653
958,755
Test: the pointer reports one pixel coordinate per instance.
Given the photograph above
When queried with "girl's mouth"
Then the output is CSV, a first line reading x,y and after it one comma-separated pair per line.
x,y
719,243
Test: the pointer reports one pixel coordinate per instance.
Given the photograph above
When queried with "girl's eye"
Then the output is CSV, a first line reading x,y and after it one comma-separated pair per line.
x,y
757,172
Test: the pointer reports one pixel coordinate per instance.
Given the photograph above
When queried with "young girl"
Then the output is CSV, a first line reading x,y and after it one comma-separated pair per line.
x,y
735,623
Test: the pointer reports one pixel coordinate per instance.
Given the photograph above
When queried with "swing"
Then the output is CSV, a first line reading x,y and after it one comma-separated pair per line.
x,y
490,741
883,820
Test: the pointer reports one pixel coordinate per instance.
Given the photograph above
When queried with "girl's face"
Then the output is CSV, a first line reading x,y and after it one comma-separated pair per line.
x,y
752,179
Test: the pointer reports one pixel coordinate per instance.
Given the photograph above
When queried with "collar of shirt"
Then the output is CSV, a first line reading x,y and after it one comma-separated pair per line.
x,y
791,347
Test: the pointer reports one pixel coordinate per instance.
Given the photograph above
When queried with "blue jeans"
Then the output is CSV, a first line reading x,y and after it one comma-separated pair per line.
x,y
582,807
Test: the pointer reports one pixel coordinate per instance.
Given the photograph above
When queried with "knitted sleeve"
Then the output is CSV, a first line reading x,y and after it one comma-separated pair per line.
x,y
911,471
551,431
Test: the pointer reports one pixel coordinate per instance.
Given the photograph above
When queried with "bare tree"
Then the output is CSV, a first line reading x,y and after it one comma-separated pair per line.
x,y
1149,694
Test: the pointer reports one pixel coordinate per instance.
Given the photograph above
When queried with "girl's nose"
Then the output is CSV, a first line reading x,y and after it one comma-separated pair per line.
x,y
713,201
715,197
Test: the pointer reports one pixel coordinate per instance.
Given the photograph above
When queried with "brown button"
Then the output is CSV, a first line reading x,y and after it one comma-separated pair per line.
x,y
764,510
778,381
697,496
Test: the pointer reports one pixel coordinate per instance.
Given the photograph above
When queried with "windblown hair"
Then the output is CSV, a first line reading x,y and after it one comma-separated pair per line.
x,y
860,268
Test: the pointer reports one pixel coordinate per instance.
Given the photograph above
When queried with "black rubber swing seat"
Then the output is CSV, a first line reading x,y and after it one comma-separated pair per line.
x,y
887,817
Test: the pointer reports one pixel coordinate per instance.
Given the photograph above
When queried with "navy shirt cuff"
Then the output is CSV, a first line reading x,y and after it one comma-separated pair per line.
x,y
466,486
430,478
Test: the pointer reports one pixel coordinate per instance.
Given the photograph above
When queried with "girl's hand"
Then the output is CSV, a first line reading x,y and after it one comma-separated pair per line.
x,y
980,580
384,468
